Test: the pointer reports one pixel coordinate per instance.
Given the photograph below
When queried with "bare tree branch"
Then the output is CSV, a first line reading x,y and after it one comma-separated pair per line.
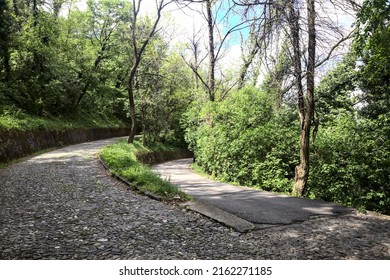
x,y
196,72
335,46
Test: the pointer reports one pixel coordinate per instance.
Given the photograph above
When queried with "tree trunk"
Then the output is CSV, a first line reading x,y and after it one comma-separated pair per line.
x,y
16,9
7,64
302,170
57,8
255,48
5,39
96,64
244,68
196,65
35,12
210,25
83,93
130,90
306,108
143,122
138,53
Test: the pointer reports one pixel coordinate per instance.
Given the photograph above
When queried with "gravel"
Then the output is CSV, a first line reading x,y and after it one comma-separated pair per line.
x,y
64,205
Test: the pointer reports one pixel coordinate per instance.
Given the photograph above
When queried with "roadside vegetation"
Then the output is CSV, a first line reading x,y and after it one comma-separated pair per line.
x,y
259,148
17,119
121,159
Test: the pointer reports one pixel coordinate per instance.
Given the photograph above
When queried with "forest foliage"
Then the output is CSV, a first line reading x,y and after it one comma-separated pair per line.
x,y
62,64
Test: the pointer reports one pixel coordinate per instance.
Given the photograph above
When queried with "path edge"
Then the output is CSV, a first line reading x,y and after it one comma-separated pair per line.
x,y
221,216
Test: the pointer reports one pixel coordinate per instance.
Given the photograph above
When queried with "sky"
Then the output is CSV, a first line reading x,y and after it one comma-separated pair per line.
x,y
181,23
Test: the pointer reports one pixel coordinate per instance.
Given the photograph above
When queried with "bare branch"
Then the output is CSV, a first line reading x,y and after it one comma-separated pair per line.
x,y
254,3
349,36
196,73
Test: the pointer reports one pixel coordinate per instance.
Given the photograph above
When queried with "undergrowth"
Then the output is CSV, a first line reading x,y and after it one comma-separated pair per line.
x,y
13,118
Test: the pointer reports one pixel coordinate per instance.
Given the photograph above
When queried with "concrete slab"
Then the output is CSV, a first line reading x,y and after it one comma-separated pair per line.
x,y
254,206
219,215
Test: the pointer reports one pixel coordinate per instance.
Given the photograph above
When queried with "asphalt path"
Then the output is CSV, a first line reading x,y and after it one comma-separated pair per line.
x,y
254,206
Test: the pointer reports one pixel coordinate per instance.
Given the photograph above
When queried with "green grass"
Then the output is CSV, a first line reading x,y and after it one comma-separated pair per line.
x,y
120,158
11,118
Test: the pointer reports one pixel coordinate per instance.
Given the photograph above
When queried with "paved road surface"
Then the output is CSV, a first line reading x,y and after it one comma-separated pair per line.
x,y
258,207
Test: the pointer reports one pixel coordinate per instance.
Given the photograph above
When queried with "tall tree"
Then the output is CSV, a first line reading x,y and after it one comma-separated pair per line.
x,y
139,44
194,45
254,48
212,57
305,102
298,22
214,12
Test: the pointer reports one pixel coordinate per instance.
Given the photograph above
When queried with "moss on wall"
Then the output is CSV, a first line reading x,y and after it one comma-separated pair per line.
x,y
15,143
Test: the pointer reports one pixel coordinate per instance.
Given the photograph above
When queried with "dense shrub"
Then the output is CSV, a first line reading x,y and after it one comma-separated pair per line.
x,y
350,163
242,140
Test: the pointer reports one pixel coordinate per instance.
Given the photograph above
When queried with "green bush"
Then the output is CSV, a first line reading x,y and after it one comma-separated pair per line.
x,y
350,163
239,140
243,140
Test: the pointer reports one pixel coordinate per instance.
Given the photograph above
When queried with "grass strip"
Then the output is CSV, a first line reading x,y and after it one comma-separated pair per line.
x,y
121,160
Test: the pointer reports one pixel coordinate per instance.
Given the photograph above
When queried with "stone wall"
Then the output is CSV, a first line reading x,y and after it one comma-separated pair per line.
x,y
15,143
162,156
